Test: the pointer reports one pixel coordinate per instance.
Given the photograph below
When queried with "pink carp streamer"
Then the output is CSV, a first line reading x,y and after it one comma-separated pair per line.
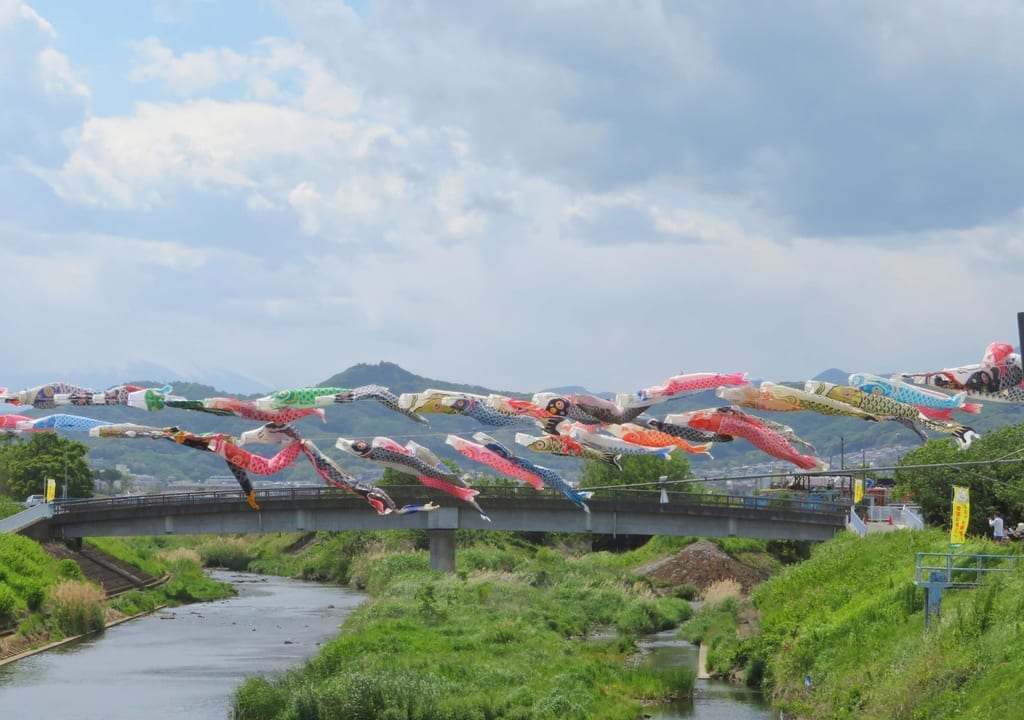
x,y
735,422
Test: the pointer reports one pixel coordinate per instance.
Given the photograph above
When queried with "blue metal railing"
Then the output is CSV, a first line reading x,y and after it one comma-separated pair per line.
x,y
936,572
960,570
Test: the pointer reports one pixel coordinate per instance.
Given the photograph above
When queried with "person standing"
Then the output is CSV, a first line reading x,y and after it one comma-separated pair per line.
x,y
996,523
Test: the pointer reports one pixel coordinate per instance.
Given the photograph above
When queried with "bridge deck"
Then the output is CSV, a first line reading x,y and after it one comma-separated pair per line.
x,y
515,509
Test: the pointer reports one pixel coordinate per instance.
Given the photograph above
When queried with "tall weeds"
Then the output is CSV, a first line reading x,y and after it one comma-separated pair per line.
x,y
77,607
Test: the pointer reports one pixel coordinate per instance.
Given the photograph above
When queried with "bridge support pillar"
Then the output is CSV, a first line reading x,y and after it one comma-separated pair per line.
x,y
442,550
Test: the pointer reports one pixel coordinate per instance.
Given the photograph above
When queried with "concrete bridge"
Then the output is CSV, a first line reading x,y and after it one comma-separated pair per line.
x,y
512,509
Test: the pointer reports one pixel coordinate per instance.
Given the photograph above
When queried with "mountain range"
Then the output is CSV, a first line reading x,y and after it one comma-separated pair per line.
x,y
832,437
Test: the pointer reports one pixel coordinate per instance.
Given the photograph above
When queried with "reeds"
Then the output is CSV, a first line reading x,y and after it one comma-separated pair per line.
x,y
77,607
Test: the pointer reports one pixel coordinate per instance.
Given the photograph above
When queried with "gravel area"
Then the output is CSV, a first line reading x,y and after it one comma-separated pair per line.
x,y
702,564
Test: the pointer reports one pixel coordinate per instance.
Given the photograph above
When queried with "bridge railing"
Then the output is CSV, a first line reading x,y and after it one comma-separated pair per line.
x,y
315,493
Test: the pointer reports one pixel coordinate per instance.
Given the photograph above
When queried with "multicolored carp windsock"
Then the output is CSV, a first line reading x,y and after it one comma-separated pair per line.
x,y
650,437
482,454
431,401
479,410
587,409
610,443
333,475
550,477
9,423
566,446
246,409
735,422
932,403
117,395
998,378
678,385
413,459
311,397
886,407
687,433
44,397
60,421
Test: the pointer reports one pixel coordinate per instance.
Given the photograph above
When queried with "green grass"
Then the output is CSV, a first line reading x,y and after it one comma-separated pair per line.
x,y
852,619
506,636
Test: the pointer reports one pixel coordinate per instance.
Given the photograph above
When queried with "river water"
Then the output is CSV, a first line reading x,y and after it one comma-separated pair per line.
x,y
179,664
185,663
713,699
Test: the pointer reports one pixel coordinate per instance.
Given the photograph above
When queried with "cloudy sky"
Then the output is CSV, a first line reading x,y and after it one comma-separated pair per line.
x,y
518,194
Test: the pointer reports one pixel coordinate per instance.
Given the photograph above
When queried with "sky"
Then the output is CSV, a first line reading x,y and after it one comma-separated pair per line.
x,y
519,194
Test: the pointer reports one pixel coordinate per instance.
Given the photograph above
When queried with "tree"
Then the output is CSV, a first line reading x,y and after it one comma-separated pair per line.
x,y
27,465
994,486
637,469
111,477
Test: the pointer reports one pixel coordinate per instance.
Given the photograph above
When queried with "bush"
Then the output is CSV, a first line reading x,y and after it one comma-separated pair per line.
x,y
134,602
225,553
7,601
77,607
34,594
68,569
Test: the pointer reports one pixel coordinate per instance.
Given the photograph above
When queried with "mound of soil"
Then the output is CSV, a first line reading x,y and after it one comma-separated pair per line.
x,y
702,564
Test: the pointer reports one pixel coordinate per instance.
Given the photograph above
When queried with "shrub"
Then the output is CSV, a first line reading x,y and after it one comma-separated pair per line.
x,y
225,553
77,607
7,600
68,569
722,591
34,594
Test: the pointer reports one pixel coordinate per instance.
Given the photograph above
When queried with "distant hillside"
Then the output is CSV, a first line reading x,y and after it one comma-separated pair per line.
x,y
399,380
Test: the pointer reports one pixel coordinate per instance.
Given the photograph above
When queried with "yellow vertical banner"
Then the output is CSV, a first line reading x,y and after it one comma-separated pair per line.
x,y
961,515
51,489
858,489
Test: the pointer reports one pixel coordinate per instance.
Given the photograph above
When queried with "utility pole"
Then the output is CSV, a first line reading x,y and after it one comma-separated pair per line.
x,y
1020,331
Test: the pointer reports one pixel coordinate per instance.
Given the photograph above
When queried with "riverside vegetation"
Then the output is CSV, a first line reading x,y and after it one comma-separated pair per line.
x,y
518,631
851,620
526,630
43,600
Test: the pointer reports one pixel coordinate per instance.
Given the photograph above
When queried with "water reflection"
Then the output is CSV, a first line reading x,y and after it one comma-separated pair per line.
x,y
713,699
180,663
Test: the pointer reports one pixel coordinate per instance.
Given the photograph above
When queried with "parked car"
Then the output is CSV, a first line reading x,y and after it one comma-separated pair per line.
x,y
33,500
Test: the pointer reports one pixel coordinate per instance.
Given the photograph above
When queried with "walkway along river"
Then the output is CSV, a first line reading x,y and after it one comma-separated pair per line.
x,y
181,663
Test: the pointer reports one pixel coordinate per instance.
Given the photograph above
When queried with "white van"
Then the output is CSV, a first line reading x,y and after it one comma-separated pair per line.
x,y
33,500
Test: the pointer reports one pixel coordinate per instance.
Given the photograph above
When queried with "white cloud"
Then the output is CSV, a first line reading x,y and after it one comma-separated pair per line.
x,y
42,97
188,73
847,120
553,193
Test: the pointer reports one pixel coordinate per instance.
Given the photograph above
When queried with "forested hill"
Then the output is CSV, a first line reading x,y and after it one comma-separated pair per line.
x,y
368,418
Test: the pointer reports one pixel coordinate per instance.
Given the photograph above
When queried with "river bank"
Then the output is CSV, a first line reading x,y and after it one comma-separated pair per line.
x,y
180,663
58,643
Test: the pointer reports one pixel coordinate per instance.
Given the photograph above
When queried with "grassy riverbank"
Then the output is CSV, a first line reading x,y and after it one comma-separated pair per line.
x,y
841,636
517,632
43,600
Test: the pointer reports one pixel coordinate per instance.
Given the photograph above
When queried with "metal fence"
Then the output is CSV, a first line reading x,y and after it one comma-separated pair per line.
x,y
960,570
314,493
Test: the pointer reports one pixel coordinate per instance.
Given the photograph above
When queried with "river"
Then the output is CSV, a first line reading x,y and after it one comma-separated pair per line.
x,y
185,663
182,663
713,699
